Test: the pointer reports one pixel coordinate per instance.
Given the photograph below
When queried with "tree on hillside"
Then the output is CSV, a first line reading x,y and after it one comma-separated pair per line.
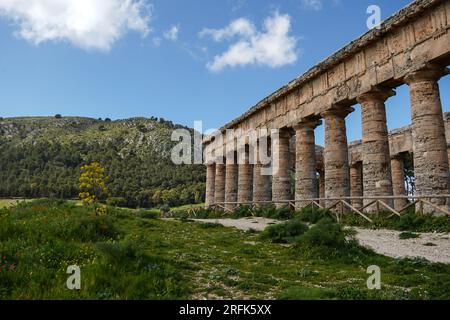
x,y
92,183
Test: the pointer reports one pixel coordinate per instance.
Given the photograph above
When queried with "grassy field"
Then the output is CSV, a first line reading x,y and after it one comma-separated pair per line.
x,y
189,206
6,203
132,255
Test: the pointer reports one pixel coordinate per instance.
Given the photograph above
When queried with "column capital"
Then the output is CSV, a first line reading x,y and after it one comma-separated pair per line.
x,y
376,94
306,123
430,72
337,110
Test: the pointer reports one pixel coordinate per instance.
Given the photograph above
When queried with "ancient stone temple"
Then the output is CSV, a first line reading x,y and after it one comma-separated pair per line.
x,y
413,48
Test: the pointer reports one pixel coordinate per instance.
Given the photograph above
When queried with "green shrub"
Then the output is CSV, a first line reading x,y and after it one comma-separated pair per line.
x,y
411,221
164,208
242,212
265,211
408,235
10,229
116,202
327,233
312,215
422,223
203,213
145,214
330,240
198,213
270,211
282,214
287,232
119,252
89,228
210,225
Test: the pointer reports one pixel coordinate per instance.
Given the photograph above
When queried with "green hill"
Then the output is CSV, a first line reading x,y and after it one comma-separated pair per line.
x,y
41,157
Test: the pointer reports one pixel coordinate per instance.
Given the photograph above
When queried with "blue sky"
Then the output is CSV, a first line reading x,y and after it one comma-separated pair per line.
x,y
172,58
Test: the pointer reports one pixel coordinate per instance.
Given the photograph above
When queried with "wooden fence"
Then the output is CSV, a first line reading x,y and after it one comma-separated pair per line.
x,y
344,205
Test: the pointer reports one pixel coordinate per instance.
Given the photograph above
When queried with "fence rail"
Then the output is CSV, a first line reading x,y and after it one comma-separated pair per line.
x,y
338,205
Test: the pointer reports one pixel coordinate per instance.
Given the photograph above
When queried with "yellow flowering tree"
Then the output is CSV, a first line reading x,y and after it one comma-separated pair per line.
x,y
92,183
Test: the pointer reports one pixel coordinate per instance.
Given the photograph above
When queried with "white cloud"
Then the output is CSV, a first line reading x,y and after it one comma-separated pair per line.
x,y
313,4
172,33
88,24
318,5
240,27
157,41
237,4
273,46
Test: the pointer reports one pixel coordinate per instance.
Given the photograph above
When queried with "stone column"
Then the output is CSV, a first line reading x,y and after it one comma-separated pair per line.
x,y
336,166
210,185
431,166
305,162
356,184
281,184
448,151
321,186
245,178
219,197
398,181
231,186
375,146
261,179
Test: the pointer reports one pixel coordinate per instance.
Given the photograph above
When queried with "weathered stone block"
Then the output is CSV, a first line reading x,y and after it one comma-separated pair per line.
x,y
320,84
336,75
423,28
397,42
385,71
355,65
306,93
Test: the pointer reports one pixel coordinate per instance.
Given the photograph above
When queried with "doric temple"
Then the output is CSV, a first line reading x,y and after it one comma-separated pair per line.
x,y
412,47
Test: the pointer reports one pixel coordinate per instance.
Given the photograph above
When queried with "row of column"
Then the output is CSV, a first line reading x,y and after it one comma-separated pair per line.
x,y
379,175
242,183
398,182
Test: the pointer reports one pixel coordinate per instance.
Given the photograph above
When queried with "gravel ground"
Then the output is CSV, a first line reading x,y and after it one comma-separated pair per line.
x,y
431,246
257,223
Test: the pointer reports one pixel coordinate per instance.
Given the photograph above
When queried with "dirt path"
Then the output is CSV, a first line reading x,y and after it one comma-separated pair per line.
x,y
431,246
256,223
